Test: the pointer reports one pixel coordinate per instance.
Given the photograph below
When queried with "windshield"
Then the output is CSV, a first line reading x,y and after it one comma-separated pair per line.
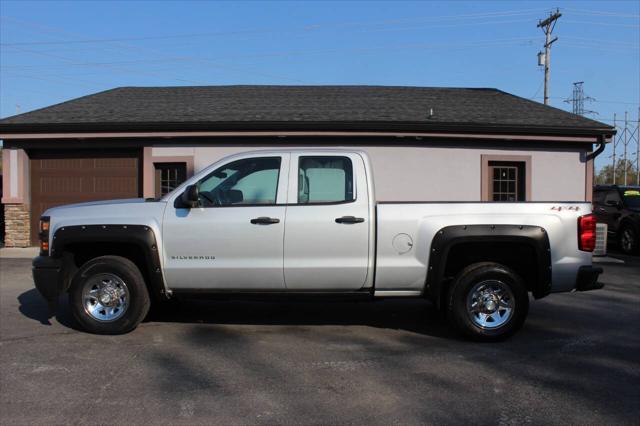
x,y
632,198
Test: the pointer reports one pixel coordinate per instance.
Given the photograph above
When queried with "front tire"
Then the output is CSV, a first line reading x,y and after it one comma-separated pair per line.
x,y
108,295
487,302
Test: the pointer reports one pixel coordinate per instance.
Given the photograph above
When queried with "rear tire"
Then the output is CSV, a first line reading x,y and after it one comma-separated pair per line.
x,y
487,302
628,239
108,295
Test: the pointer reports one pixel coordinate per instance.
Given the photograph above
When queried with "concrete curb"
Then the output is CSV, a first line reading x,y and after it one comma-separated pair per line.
x,y
606,259
19,253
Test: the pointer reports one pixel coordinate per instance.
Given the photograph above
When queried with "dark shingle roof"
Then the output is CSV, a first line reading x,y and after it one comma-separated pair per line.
x,y
301,107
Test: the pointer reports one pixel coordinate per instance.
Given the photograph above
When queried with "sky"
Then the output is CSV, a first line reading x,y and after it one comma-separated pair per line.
x,y
52,51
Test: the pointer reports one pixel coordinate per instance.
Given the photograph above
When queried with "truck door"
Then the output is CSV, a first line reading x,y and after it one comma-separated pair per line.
x,y
234,239
611,210
327,230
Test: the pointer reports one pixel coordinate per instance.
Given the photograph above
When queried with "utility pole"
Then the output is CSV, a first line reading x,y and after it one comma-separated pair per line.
x,y
638,148
615,142
547,26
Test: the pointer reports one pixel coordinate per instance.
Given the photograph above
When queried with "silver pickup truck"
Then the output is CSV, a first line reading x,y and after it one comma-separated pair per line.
x,y
306,222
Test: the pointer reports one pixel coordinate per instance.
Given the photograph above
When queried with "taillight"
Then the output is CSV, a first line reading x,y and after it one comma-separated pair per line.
x,y
587,232
44,235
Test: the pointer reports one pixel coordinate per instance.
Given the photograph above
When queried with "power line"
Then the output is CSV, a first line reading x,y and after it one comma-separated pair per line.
x,y
604,24
210,35
600,46
57,79
36,52
616,102
136,48
601,13
306,28
597,101
600,41
352,50
537,90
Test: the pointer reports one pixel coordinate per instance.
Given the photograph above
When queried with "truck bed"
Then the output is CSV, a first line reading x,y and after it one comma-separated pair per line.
x,y
416,224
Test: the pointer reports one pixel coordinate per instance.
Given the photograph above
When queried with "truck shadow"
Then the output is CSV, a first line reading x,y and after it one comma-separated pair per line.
x,y
417,316
34,307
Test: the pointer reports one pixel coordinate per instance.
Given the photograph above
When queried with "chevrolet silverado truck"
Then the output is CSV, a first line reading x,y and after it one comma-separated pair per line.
x,y
306,222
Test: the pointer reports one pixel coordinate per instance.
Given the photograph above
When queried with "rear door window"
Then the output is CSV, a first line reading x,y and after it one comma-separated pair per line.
x,y
325,179
612,196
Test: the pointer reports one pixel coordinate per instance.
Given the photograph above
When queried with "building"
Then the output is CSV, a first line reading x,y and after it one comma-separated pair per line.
x,y
426,144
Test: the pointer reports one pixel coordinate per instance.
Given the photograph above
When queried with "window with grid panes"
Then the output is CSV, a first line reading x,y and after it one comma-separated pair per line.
x,y
169,176
507,181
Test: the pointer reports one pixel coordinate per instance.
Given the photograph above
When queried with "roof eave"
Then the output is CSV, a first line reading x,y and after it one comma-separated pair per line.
x,y
377,126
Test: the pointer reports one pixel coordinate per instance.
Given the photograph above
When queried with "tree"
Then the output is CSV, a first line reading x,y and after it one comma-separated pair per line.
x,y
605,175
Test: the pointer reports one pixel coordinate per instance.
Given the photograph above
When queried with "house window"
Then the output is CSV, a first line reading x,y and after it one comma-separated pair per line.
x,y
507,180
169,176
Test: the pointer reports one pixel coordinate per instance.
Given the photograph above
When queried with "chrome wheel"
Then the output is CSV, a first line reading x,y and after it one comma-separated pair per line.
x,y
490,304
627,240
105,297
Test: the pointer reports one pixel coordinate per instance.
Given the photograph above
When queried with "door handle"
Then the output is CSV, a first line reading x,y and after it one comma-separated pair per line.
x,y
263,220
349,219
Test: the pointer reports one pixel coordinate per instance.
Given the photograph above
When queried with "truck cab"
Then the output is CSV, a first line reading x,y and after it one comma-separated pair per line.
x,y
266,219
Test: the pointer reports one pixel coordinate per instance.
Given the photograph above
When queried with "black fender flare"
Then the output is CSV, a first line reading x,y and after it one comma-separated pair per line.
x,y
451,236
141,236
629,220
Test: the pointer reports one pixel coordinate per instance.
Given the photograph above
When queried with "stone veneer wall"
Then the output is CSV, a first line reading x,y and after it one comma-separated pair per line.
x,y
17,225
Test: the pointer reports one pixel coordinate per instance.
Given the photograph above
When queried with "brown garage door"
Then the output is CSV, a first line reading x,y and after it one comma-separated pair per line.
x,y
58,181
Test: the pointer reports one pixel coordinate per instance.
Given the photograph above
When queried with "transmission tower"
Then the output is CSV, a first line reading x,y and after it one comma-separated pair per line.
x,y
626,136
578,99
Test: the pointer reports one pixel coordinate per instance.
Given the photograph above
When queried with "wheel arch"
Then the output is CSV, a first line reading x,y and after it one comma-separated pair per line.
x,y
79,244
631,222
455,247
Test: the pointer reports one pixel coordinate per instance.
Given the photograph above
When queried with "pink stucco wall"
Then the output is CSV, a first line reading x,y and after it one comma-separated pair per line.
x,y
423,173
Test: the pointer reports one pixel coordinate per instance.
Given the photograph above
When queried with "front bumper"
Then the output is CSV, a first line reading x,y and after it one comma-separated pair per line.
x,y
587,278
47,275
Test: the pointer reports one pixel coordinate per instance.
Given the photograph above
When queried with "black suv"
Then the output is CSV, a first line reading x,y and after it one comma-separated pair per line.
x,y
619,207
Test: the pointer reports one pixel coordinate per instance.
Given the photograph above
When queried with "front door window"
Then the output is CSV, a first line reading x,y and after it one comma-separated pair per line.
x,y
250,181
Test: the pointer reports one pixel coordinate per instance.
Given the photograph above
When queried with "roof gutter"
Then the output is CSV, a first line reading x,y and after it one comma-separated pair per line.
x,y
302,126
602,143
284,134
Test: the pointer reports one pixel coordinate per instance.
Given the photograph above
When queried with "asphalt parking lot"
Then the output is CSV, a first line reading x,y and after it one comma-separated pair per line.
x,y
576,361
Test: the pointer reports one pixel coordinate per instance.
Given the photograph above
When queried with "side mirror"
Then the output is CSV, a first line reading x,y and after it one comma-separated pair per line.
x,y
190,197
